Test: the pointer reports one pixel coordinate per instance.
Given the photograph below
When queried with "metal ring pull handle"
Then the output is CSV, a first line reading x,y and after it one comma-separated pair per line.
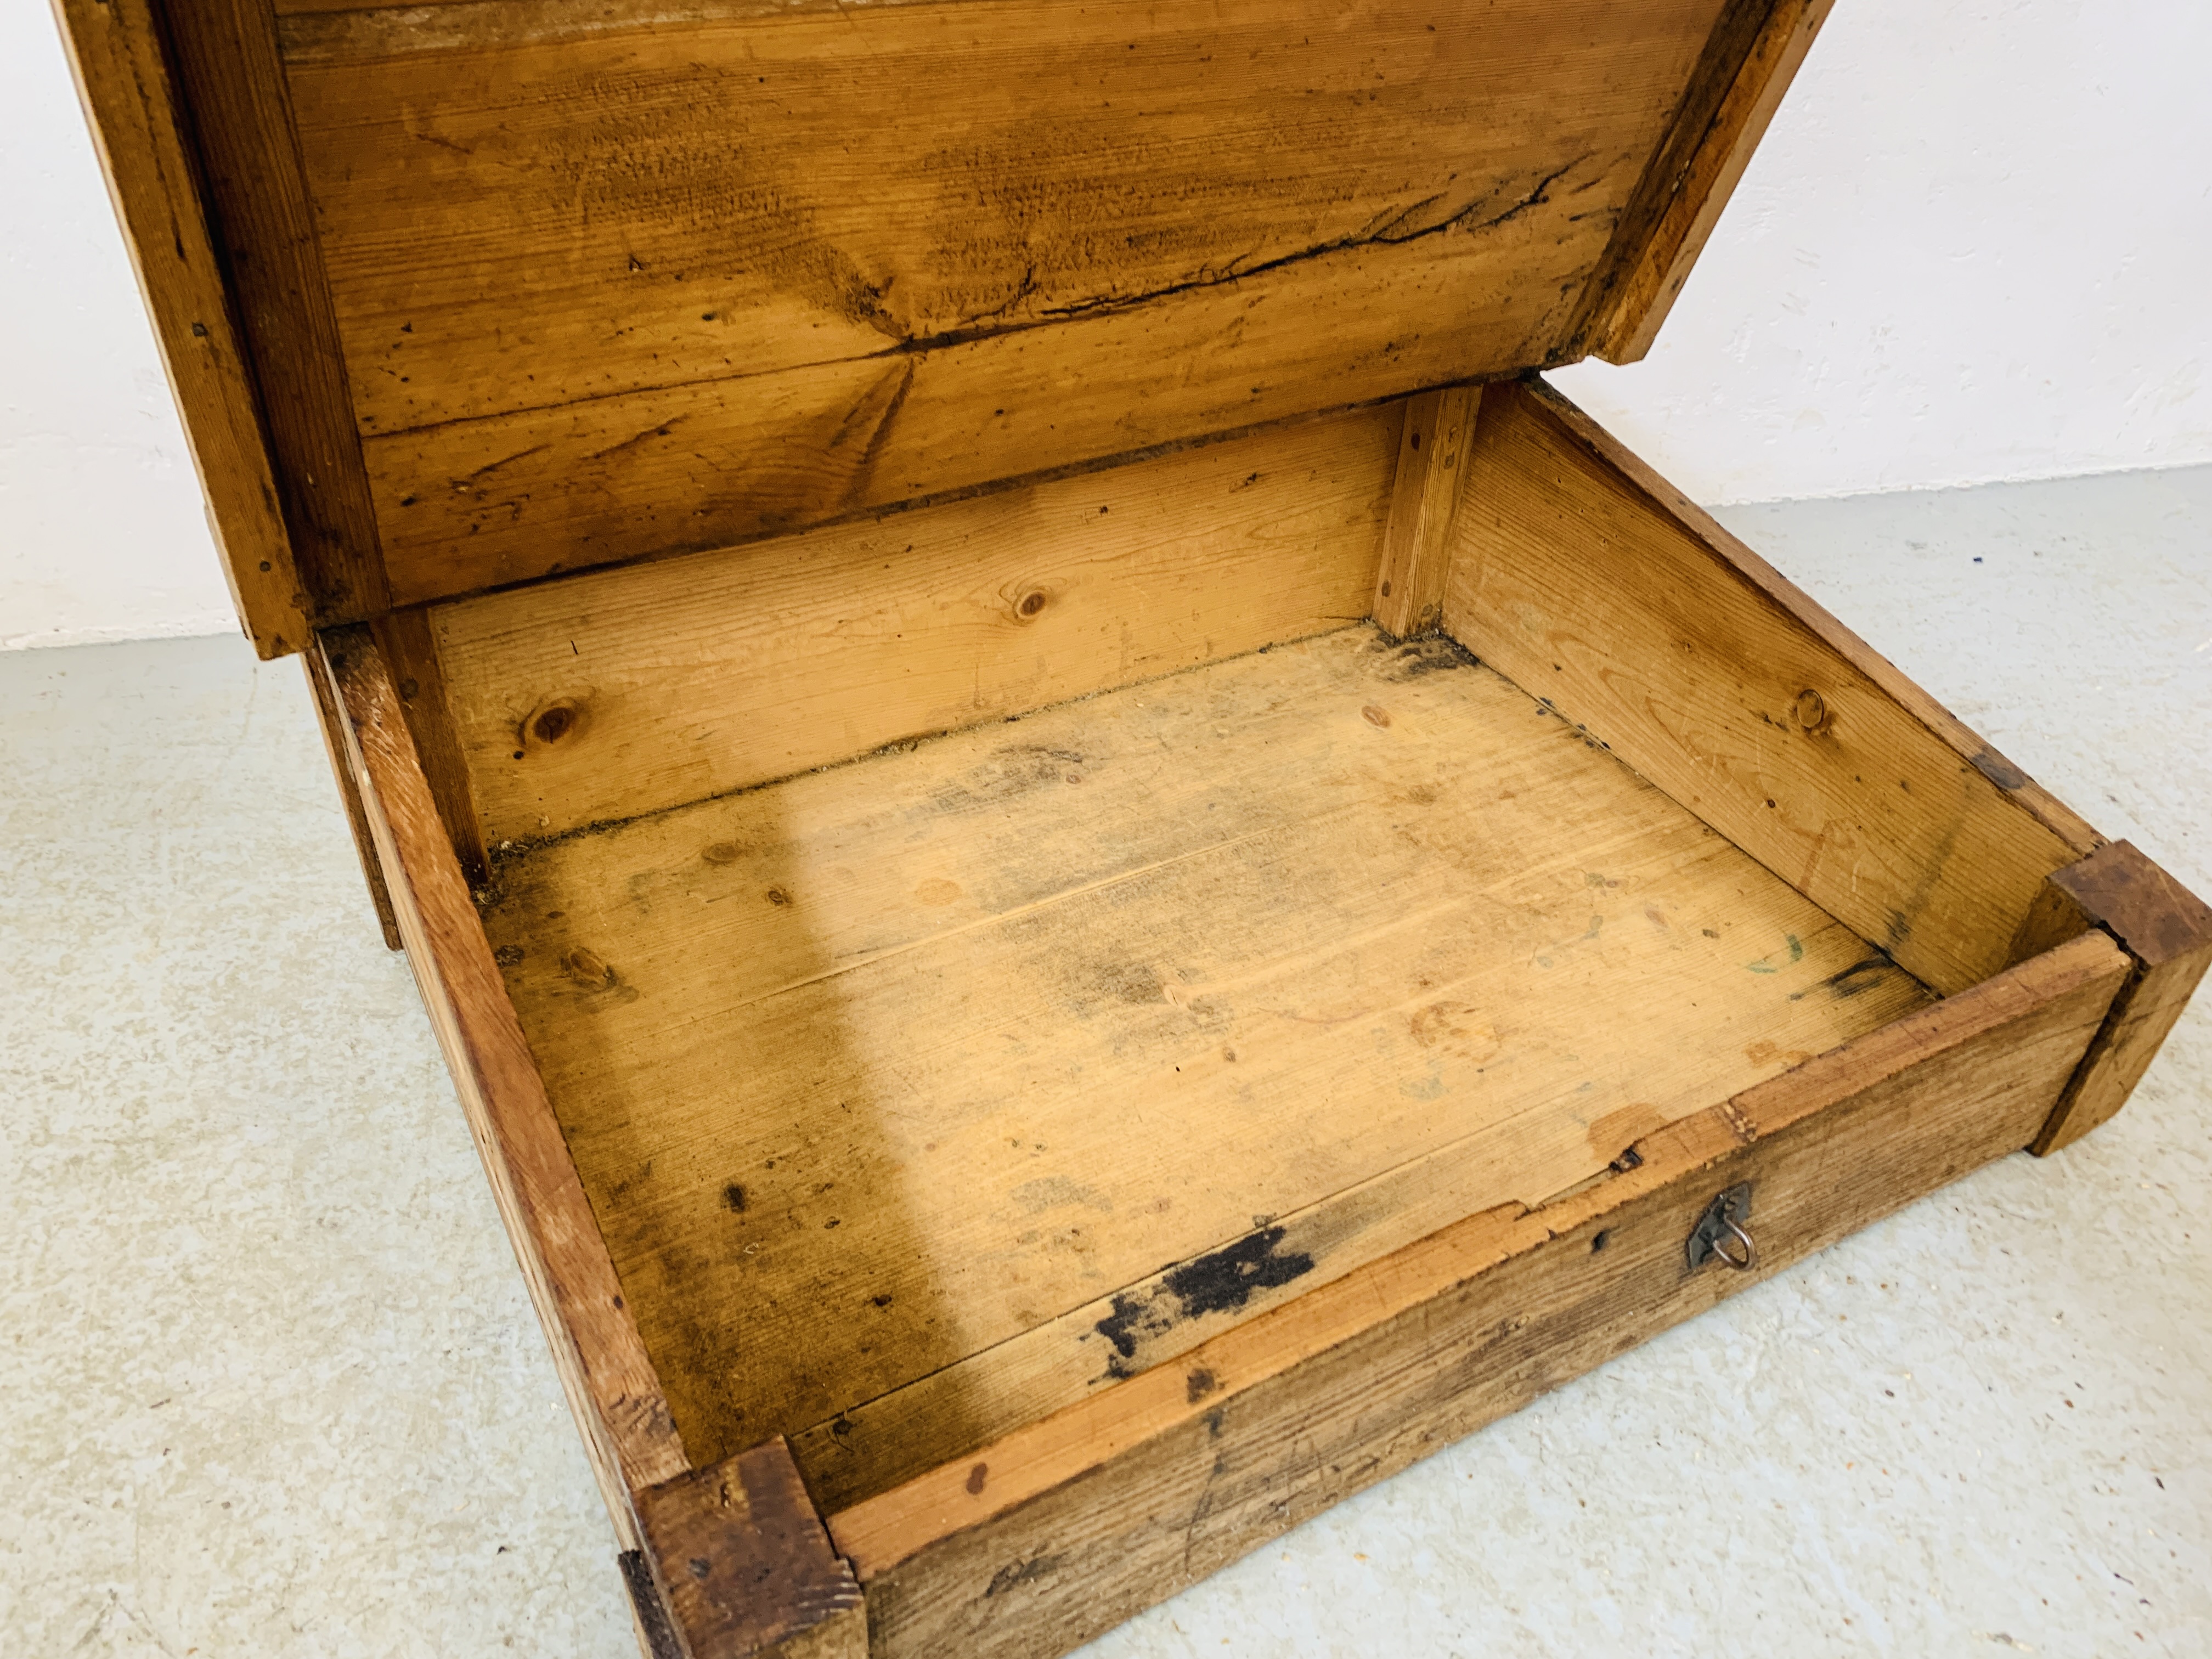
x,y
1749,1260
1726,1217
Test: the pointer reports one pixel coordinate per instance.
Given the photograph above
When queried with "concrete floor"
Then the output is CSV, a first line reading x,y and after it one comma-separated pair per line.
x,y
272,1386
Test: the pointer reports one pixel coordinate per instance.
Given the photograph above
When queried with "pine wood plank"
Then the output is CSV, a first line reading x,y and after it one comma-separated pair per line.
x,y
410,649
1588,579
1696,194
880,1067
1055,1533
225,57
123,76
618,287
612,1391
330,720
746,1567
1409,589
625,691
2167,932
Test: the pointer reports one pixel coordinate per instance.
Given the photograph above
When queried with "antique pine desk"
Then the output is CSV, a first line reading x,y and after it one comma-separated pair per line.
x,y
1091,874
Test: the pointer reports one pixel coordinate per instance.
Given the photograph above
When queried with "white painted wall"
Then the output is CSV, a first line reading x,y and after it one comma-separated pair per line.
x,y
102,536
1975,246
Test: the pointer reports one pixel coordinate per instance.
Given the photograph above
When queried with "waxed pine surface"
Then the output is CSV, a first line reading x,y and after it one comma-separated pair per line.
x,y
873,1073
274,1387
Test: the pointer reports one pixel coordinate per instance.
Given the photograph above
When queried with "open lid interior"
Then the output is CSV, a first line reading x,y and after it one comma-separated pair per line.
x,y
522,286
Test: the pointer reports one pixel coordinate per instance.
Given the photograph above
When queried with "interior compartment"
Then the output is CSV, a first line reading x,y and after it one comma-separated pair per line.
x,y
903,1069
923,1092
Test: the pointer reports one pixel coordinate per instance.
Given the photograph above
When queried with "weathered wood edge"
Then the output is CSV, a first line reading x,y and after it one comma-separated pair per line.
x,y
411,649
980,1510
130,100
770,1583
2166,930
1696,191
331,720
1728,47
882,511
610,1381
2012,783
236,111
1409,587
745,1562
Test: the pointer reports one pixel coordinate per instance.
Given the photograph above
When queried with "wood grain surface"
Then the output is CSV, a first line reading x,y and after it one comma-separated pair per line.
x,y
114,48
611,1388
2167,931
745,1568
1409,588
1696,187
626,691
238,110
878,1070
612,285
329,719
1052,1535
1592,583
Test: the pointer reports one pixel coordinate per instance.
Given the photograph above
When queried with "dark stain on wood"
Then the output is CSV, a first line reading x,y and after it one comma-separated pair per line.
x,y
2154,915
1861,975
653,1623
1222,1282
1999,770
1022,1572
1415,659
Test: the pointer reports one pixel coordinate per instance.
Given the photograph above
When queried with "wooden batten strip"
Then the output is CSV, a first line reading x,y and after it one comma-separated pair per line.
x,y
2167,930
330,720
225,57
1606,593
1409,589
610,1383
1696,191
1055,1532
114,48
410,648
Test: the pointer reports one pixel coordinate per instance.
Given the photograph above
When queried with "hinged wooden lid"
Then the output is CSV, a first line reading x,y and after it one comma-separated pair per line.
x,y
477,293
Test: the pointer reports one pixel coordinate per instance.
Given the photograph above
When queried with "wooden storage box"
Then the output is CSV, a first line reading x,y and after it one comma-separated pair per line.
x,y
1090,873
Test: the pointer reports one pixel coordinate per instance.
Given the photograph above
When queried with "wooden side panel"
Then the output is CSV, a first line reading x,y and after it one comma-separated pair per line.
x,y
625,691
615,285
114,47
1598,587
611,1387
1054,1533
226,61
745,1566
2167,930
410,650
1409,590
1697,193
331,720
